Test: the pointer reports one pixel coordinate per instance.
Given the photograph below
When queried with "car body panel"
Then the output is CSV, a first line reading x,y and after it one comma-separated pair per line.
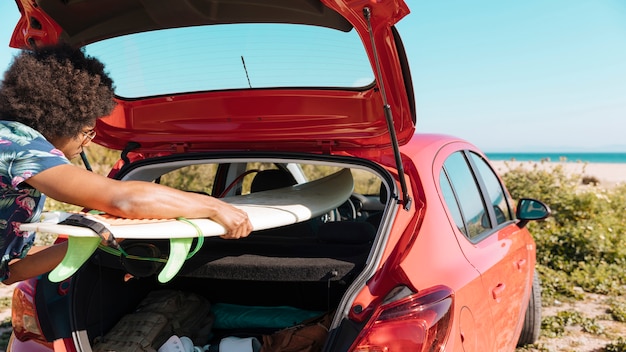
x,y
298,119
473,328
303,120
504,258
473,271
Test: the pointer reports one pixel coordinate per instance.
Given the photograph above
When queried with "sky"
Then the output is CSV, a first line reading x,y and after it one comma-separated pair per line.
x,y
508,76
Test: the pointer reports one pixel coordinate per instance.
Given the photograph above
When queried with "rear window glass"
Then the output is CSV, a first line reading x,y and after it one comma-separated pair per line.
x,y
220,57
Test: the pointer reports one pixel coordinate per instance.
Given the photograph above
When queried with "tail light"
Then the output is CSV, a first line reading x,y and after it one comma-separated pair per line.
x,y
419,322
24,315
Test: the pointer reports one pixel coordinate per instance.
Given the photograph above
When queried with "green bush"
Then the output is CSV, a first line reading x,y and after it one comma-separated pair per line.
x,y
555,325
583,243
617,346
617,309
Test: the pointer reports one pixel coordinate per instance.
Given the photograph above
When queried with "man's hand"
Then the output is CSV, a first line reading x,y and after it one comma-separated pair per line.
x,y
235,221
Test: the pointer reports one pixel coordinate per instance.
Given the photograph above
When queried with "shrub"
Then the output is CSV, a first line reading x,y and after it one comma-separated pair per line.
x,y
583,243
617,309
617,346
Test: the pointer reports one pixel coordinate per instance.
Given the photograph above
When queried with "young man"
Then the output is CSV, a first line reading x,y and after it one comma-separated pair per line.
x,y
50,99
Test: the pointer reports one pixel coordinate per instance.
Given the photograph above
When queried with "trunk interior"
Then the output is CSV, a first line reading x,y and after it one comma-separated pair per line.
x,y
311,267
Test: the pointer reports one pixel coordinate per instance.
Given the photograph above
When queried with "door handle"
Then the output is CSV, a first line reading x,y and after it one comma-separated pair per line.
x,y
497,291
521,264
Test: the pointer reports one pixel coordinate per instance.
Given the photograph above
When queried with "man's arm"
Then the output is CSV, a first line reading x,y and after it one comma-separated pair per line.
x,y
136,199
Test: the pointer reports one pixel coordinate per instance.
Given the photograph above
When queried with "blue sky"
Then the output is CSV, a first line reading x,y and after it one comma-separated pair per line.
x,y
507,75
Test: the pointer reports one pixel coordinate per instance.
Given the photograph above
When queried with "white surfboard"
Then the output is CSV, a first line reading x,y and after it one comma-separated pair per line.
x,y
266,209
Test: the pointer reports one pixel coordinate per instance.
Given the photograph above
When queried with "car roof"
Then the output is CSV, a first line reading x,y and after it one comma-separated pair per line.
x,y
295,116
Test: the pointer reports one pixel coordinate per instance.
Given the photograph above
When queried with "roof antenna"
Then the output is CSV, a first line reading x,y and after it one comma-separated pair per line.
x,y
245,69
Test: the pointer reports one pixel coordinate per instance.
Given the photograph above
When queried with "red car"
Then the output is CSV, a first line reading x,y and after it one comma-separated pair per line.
x,y
429,253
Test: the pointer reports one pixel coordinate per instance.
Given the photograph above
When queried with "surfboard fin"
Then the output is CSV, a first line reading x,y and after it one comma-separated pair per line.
x,y
179,249
79,249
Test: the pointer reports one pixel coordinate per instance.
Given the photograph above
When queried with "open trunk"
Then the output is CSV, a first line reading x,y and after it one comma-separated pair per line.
x,y
312,267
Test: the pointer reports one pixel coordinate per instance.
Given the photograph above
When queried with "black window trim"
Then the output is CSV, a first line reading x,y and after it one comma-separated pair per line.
x,y
484,190
484,196
456,202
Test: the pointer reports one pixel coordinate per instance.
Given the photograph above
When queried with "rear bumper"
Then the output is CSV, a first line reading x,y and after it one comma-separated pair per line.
x,y
16,345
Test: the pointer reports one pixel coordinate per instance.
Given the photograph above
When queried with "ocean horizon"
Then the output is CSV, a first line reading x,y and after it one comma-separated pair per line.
x,y
584,157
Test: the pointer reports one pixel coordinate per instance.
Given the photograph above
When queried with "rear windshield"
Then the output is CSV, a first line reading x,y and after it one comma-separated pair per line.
x,y
220,57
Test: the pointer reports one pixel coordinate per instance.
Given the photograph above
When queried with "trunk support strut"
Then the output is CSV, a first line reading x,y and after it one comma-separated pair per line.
x,y
406,199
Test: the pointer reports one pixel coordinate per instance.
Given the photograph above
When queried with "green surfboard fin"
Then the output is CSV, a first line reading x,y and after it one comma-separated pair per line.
x,y
179,249
79,249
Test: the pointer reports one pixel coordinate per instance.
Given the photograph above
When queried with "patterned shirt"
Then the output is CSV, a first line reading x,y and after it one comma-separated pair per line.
x,y
24,153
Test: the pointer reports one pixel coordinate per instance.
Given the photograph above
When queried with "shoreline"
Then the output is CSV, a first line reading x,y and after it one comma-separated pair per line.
x,y
608,174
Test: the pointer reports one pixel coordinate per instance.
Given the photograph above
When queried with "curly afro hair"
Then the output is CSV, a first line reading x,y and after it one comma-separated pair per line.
x,y
57,90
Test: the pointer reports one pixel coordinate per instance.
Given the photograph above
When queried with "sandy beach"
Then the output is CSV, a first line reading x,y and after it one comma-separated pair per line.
x,y
608,174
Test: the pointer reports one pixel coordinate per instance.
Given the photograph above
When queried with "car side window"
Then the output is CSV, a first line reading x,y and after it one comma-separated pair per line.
x,y
467,196
450,200
495,190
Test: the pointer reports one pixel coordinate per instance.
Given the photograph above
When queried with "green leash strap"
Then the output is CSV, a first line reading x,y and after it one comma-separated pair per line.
x,y
198,232
179,253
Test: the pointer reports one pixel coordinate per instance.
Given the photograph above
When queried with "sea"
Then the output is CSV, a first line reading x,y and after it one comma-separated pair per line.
x,y
585,157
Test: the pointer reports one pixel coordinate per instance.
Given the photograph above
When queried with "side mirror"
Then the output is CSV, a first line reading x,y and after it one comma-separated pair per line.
x,y
531,209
